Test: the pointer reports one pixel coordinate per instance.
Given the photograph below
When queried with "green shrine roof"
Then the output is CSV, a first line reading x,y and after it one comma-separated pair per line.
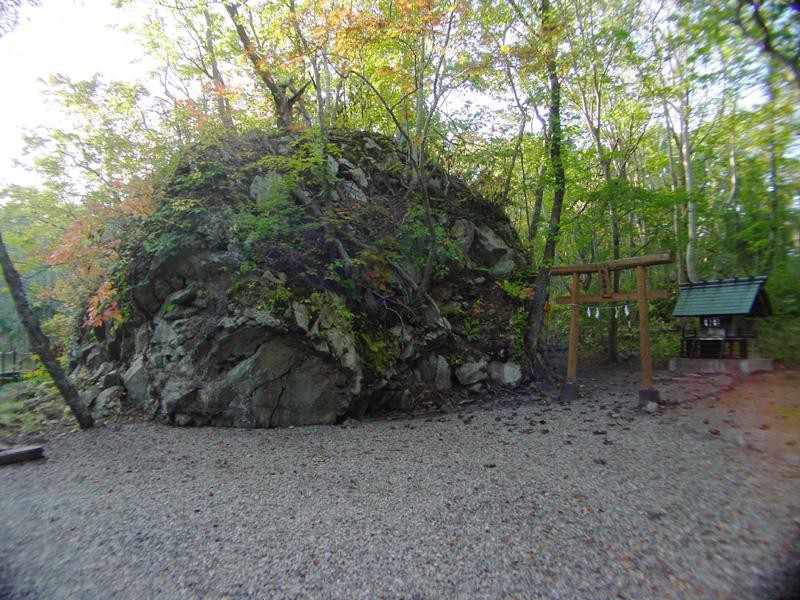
x,y
740,296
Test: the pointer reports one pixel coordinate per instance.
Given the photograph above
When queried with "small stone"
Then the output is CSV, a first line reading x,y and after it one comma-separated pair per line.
x,y
505,373
650,407
471,372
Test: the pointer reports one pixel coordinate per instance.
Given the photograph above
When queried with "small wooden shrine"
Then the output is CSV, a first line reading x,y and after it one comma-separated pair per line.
x,y
724,308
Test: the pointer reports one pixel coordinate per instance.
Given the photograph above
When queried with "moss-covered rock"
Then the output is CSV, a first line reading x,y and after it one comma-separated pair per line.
x,y
277,284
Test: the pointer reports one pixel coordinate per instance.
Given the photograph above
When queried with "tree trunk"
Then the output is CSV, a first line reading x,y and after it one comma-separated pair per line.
x,y
39,342
223,106
676,220
536,316
538,198
764,38
612,321
284,103
514,155
773,174
427,214
691,245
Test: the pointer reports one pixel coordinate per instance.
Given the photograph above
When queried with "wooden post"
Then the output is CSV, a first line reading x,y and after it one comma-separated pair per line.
x,y
570,390
14,455
647,393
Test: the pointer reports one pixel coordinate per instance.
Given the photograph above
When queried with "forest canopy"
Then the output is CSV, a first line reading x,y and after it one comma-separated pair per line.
x,y
603,129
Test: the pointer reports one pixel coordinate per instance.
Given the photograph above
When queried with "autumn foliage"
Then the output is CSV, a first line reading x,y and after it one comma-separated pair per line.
x,y
89,250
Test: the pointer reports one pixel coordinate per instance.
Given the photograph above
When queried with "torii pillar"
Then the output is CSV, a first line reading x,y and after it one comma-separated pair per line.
x,y
642,295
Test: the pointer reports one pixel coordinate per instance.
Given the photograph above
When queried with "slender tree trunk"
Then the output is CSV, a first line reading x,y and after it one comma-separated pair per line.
x,y
223,106
526,201
39,342
773,173
615,247
676,220
536,316
605,164
691,245
283,94
430,260
538,198
759,33
514,155
733,178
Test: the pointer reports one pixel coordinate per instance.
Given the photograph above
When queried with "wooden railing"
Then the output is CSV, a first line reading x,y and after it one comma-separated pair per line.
x,y
729,333
13,364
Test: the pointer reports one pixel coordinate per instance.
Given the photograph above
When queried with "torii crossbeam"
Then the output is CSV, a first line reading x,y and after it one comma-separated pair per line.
x,y
642,295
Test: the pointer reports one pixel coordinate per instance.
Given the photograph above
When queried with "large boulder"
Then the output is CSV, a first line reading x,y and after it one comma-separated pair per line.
x,y
267,292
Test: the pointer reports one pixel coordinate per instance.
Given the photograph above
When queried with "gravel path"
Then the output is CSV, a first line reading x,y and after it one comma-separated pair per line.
x,y
519,499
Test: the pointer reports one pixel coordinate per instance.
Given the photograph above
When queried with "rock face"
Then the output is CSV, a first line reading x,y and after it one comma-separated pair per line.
x,y
261,296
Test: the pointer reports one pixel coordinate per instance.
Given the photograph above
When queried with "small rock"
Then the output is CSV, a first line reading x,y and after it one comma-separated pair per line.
x,y
651,407
505,373
472,372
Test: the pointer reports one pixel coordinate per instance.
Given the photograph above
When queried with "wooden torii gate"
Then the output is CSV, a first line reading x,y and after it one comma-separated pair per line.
x,y
641,296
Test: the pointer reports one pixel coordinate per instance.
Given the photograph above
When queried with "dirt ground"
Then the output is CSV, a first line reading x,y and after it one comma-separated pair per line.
x,y
760,412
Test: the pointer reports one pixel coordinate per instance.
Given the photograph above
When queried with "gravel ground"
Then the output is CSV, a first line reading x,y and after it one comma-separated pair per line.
x,y
521,498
